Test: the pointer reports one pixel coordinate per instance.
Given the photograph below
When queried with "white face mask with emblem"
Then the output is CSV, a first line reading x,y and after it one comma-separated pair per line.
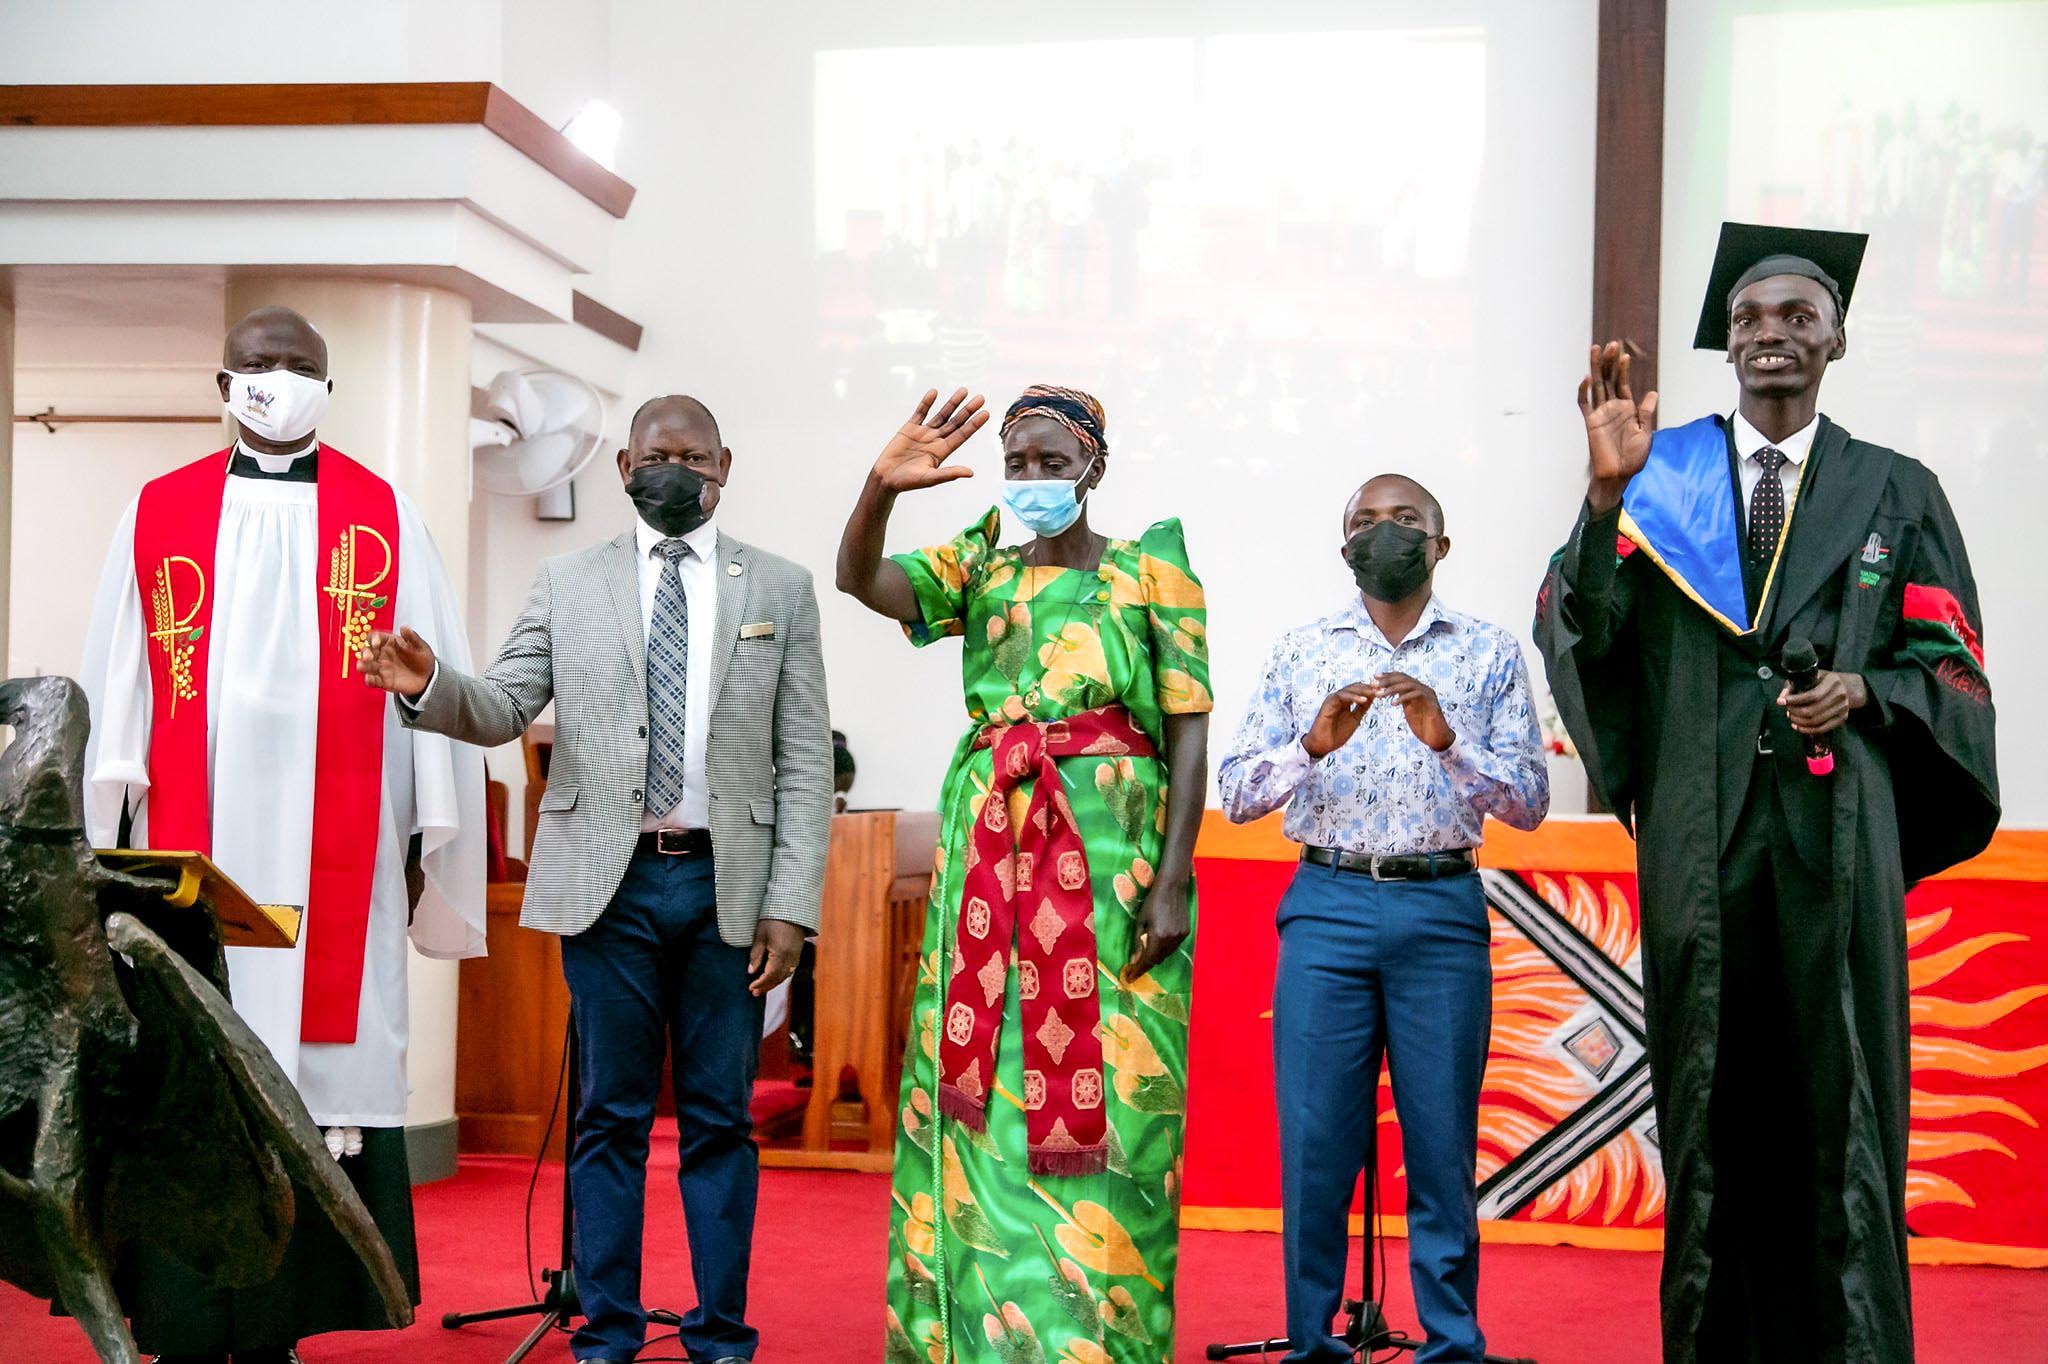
x,y
277,404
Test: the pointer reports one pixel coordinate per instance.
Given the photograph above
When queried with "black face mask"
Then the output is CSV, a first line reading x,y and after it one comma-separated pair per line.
x,y
670,497
1388,560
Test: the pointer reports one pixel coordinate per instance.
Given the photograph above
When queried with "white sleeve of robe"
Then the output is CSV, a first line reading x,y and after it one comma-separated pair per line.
x,y
115,676
448,777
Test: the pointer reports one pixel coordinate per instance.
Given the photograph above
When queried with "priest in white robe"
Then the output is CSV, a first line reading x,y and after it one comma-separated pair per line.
x,y
254,639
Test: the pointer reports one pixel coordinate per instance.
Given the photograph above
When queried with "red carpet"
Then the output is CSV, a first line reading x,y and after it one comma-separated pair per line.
x,y
819,1261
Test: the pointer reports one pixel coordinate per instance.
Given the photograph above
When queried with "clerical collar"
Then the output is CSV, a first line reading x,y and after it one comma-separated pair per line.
x,y
299,466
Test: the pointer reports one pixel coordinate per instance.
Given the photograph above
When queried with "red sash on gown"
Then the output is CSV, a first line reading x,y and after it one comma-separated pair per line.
x,y
177,524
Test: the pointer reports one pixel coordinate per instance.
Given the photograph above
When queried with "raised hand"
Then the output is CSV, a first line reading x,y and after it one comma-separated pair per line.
x,y
401,663
915,456
1337,720
1618,428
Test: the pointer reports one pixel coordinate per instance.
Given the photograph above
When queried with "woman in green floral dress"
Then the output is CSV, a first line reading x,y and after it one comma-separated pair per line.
x,y
1037,1184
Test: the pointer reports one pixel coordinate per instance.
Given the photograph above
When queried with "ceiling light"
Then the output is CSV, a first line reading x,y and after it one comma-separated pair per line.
x,y
595,129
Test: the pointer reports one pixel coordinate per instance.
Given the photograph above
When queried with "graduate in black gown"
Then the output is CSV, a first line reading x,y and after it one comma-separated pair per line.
x,y
1773,926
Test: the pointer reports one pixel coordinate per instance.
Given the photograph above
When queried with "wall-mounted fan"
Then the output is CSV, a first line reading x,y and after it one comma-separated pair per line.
x,y
541,427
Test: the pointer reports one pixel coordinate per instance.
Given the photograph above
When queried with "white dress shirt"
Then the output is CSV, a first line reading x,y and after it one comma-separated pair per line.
x,y
700,591
1795,447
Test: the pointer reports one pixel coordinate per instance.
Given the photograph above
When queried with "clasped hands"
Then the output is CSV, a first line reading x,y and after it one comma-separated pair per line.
x,y
1344,710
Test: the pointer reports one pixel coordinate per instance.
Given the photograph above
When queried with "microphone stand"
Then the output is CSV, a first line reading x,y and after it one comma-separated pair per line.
x,y
558,1306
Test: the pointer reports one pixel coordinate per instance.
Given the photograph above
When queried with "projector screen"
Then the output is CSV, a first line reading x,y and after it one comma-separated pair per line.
x,y
1284,260
1182,215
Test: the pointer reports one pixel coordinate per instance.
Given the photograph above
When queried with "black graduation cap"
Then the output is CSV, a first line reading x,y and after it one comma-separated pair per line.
x,y
1749,252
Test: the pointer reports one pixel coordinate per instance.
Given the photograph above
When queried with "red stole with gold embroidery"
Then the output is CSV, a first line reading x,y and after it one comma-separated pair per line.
x,y
177,523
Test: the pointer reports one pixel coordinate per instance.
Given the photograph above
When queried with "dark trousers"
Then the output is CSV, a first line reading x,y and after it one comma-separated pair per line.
x,y
652,972
1398,969
1777,1118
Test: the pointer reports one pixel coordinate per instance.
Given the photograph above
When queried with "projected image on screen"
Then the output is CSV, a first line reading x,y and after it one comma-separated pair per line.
x,y
1239,236
1942,158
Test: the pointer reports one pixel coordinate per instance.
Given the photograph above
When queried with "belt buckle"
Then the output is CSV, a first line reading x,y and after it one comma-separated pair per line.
x,y
1374,869
670,842
1763,744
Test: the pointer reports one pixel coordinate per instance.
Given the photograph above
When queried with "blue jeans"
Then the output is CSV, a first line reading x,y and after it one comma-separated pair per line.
x,y
1371,968
650,972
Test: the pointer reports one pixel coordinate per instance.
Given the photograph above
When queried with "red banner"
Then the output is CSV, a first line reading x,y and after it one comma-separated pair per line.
x,y
1568,1141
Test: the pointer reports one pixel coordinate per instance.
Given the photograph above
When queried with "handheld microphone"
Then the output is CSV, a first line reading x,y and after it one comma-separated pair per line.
x,y
1802,671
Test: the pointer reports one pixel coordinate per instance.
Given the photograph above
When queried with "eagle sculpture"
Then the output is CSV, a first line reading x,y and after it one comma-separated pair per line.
x,y
138,1114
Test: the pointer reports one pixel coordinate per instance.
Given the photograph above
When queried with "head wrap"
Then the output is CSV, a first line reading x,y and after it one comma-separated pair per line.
x,y
1079,412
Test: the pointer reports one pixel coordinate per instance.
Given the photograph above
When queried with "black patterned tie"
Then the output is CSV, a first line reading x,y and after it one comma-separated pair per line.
x,y
1767,507
668,671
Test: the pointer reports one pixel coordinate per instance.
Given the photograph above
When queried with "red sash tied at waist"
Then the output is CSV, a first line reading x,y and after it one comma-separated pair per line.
x,y
1033,875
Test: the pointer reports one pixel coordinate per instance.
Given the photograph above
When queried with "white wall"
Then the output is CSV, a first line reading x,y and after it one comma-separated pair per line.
x,y
147,42
146,345
70,489
1944,363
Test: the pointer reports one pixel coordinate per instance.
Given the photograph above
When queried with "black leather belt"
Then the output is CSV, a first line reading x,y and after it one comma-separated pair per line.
x,y
677,842
1434,866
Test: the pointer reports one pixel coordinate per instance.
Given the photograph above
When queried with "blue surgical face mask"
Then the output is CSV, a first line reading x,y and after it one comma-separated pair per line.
x,y
1046,505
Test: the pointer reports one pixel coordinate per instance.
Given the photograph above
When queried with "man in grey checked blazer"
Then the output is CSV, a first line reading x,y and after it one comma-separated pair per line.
x,y
680,848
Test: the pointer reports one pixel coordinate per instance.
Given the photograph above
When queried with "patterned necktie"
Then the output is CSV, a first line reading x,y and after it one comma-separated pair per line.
x,y
1767,507
668,670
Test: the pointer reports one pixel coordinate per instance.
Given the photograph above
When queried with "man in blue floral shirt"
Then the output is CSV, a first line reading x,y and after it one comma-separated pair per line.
x,y
1390,730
